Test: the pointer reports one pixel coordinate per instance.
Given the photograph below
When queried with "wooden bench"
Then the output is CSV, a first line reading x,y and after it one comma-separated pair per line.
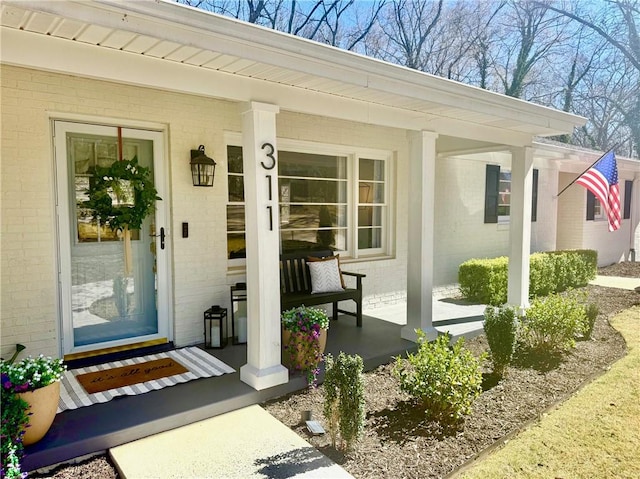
x,y
295,285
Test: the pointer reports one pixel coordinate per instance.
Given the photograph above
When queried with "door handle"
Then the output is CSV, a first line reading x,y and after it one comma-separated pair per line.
x,y
161,236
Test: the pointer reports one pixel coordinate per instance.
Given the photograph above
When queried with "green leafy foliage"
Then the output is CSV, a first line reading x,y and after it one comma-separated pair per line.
x,y
552,324
485,280
445,380
501,327
14,420
591,311
344,398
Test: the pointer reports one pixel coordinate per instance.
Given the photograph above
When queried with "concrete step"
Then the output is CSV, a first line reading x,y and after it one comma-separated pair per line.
x,y
246,443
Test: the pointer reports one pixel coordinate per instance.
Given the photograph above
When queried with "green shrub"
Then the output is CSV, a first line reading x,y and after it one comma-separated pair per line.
x,y
541,275
445,380
344,398
591,312
484,280
553,323
500,327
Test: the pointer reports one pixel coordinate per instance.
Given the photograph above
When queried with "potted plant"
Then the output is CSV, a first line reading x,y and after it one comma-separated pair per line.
x,y
304,337
36,381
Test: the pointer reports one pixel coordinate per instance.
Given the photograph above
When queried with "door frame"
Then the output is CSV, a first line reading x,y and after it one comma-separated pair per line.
x,y
90,125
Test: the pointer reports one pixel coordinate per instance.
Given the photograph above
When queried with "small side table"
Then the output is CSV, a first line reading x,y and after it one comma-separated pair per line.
x,y
239,296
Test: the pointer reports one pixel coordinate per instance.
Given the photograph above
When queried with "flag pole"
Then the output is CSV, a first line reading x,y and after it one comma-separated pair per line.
x,y
591,166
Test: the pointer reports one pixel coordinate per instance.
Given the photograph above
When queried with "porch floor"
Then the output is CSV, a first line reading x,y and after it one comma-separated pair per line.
x,y
99,427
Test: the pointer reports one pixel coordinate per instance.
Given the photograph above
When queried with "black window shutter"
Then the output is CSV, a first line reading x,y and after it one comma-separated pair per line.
x,y
491,194
628,190
534,196
591,206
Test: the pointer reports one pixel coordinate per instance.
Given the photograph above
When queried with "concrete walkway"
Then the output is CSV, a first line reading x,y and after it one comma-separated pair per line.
x,y
616,282
247,443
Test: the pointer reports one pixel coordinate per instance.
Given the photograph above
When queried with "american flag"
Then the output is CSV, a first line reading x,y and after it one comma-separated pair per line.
x,y
602,180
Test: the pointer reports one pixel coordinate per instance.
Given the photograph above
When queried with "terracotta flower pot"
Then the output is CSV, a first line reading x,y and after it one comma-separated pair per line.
x,y
43,404
286,340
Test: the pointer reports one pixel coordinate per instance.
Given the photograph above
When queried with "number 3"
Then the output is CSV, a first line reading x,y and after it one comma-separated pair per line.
x,y
269,155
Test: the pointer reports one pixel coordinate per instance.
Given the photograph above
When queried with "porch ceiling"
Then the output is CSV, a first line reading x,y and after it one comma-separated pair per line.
x,y
177,34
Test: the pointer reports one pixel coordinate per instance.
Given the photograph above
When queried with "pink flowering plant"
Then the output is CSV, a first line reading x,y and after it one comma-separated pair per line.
x,y
303,350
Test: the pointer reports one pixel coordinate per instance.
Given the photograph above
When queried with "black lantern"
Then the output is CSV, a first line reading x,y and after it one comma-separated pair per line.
x,y
215,327
203,168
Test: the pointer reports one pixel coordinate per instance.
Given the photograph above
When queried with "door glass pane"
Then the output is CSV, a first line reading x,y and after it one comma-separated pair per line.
x,y
108,304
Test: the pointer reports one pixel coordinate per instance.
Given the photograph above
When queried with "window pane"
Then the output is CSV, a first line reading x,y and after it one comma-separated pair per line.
x,y
301,240
312,191
236,245
371,192
312,216
234,159
235,218
236,188
370,216
371,170
504,196
310,165
369,238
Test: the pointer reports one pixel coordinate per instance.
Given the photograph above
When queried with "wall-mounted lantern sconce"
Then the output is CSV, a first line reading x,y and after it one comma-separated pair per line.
x,y
203,168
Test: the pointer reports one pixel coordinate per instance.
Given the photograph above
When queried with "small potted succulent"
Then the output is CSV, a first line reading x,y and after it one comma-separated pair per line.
x,y
304,337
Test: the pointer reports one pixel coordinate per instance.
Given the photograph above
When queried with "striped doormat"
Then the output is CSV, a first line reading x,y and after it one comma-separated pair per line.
x,y
199,364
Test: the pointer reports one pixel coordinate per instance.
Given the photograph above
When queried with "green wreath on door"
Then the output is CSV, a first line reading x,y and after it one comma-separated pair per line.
x,y
127,184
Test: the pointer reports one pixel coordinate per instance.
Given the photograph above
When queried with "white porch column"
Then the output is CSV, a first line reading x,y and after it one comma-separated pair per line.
x,y
259,152
520,225
422,169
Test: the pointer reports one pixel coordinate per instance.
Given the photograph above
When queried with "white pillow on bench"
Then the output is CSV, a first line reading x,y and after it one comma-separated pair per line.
x,y
325,276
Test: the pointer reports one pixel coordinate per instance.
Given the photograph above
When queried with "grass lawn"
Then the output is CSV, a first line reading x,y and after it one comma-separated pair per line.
x,y
595,434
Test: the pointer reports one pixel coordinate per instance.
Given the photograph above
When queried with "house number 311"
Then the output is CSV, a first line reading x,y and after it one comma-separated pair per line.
x,y
269,154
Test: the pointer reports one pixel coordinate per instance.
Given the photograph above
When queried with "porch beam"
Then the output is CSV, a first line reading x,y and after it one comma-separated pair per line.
x,y
259,153
520,225
422,168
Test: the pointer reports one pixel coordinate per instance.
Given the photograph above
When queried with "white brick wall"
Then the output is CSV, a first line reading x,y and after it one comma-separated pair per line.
x,y
28,308
461,233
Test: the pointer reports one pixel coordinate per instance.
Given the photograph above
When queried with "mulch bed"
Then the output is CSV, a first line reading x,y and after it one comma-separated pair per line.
x,y
399,443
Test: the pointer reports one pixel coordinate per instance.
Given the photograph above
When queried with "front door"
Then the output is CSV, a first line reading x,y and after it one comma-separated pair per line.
x,y
108,300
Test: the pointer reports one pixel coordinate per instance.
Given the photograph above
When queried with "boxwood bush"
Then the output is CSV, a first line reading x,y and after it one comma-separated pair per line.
x,y
501,327
553,323
485,280
445,380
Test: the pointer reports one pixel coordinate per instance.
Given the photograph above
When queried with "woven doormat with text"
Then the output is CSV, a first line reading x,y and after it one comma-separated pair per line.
x,y
101,383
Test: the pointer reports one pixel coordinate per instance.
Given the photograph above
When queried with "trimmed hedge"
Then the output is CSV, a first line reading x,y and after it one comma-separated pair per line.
x,y
485,280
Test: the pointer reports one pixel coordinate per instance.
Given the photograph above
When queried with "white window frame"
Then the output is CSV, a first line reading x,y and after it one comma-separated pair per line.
x,y
504,219
353,155
599,213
